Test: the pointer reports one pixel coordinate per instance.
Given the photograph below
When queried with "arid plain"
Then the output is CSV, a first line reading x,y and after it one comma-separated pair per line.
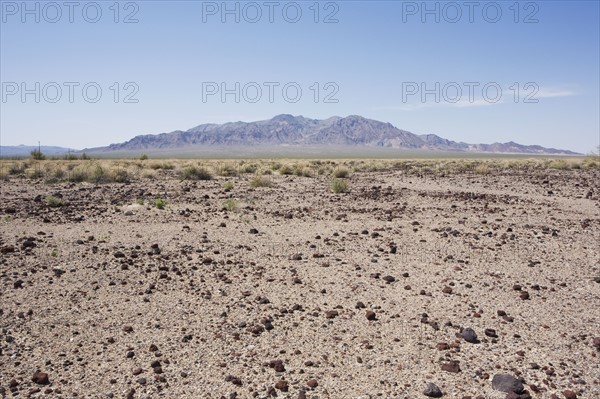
x,y
300,279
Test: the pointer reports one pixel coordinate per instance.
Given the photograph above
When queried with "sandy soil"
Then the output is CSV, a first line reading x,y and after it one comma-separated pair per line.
x,y
113,299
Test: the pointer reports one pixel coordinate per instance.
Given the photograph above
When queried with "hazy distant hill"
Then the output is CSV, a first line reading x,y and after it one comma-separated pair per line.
x,y
25,150
299,131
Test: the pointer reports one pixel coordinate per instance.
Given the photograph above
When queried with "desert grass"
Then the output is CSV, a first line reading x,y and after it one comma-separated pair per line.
x,y
106,171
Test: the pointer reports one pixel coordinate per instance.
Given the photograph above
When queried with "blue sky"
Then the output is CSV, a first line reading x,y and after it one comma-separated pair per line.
x,y
421,66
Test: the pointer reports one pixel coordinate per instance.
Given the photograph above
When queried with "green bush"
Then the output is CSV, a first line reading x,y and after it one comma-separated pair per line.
x,y
54,202
230,205
339,186
160,203
38,155
228,186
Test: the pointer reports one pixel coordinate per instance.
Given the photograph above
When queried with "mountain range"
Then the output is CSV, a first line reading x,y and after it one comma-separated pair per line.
x,y
293,135
287,130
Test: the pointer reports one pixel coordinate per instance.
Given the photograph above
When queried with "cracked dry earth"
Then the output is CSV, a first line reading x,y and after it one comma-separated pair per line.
x,y
302,293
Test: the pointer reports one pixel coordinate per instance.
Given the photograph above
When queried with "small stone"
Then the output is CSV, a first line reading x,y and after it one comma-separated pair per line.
x,y
331,314
371,315
469,335
137,371
453,366
568,394
443,346
312,383
389,279
507,383
432,391
282,385
253,231
524,295
40,378
490,332
447,290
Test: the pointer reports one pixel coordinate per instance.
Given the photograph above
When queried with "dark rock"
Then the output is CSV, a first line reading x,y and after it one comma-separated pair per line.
x,y
40,378
469,335
490,332
507,383
371,315
331,314
432,391
568,394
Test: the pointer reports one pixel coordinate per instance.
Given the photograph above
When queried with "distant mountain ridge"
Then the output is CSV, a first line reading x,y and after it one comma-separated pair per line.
x,y
25,150
288,130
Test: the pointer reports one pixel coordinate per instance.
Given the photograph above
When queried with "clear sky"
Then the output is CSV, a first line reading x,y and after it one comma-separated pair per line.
x,y
478,72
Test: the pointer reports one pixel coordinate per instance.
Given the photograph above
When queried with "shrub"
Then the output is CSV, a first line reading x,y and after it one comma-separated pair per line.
x,y
54,202
227,170
228,186
339,186
143,157
120,176
98,175
160,203
482,169
259,181
194,173
248,168
163,165
558,164
16,168
286,170
230,205
591,162
341,173
38,155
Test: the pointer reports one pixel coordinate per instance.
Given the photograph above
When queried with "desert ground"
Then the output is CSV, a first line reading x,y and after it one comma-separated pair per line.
x,y
339,279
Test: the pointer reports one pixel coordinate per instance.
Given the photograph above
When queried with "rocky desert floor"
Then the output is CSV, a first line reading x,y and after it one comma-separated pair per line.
x,y
290,290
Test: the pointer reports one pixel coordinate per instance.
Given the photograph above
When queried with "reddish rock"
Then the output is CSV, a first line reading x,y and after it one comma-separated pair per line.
x,y
40,378
282,385
453,366
312,383
371,315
